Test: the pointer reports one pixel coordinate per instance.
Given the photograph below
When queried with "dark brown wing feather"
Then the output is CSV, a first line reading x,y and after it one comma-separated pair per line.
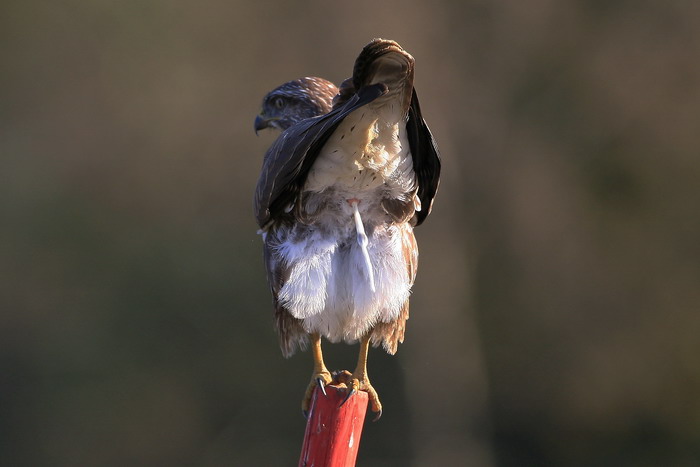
x,y
426,158
289,329
345,92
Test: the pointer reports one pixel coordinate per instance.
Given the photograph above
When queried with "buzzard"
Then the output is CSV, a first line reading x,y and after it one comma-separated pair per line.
x,y
340,192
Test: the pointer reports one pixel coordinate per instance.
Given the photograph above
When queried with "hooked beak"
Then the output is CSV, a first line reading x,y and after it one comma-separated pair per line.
x,y
261,123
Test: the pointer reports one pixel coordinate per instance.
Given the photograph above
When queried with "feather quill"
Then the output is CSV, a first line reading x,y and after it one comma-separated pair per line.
x,y
362,241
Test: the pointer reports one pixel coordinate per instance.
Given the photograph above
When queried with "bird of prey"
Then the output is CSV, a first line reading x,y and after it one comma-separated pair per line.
x,y
337,200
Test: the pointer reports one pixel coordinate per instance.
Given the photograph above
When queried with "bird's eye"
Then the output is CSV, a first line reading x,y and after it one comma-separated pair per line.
x,y
279,102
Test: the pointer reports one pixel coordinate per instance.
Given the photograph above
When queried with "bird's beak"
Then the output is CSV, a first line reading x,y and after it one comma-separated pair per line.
x,y
261,123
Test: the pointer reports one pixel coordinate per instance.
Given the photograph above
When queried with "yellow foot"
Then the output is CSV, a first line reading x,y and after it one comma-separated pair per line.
x,y
355,383
320,379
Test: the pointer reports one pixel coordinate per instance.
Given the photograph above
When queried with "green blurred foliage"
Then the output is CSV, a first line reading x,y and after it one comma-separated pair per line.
x,y
555,318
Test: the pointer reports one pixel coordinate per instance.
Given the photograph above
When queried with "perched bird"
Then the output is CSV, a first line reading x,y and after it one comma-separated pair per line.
x,y
337,200
295,101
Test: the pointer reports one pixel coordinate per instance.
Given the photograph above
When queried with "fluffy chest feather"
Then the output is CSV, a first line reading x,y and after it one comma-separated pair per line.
x,y
326,284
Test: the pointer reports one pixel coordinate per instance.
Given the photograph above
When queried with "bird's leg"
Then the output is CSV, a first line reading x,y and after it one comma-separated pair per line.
x,y
320,377
359,381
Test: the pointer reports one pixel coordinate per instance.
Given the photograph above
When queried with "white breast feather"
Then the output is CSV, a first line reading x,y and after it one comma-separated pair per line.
x,y
328,287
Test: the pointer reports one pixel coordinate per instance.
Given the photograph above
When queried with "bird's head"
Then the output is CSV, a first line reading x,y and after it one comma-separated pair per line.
x,y
385,61
295,101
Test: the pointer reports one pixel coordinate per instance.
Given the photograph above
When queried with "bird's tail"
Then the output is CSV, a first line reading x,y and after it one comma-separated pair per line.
x,y
362,241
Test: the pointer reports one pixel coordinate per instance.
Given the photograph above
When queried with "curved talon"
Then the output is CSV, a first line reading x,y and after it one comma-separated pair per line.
x,y
305,413
320,380
378,416
348,396
321,385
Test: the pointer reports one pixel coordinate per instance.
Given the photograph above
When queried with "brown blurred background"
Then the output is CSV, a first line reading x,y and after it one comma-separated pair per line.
x,y
555,320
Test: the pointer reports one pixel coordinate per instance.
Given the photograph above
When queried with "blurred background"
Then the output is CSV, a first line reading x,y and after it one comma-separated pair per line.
x,y
555,320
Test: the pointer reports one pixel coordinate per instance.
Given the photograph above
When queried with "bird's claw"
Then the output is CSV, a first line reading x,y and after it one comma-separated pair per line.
x,y
350,393
353,385
320,380
321,385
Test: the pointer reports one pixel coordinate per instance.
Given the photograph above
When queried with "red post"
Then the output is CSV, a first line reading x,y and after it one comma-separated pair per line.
x,y
333,433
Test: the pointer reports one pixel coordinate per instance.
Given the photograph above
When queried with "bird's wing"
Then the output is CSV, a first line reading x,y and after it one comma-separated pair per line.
x,y
289,159
426,158
345,91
